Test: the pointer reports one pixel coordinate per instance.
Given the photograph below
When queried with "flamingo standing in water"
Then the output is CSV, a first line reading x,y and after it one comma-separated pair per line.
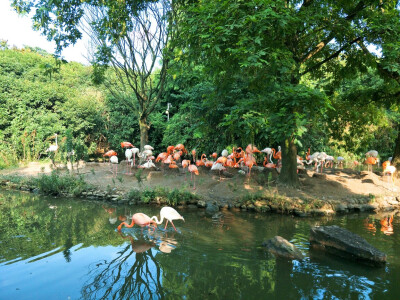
x,y
168,213
140,219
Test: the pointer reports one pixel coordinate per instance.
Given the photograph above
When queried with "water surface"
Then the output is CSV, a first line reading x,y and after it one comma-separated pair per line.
x,y
70,249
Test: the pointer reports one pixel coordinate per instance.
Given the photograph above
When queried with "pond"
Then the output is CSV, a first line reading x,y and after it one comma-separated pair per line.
x,y
70,249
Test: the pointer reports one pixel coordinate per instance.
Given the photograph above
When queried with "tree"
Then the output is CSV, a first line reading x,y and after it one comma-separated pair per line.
x,y
277,45
130,36
137,80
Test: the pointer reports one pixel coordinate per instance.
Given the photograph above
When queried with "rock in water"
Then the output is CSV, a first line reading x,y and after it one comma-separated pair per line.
x,y
341,242
283,248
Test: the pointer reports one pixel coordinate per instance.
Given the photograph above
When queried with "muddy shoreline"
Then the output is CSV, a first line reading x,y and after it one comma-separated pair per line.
x,y
336,192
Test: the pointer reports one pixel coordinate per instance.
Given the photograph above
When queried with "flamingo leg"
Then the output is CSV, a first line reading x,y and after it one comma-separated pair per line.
x,y
166,223
194,184
174,226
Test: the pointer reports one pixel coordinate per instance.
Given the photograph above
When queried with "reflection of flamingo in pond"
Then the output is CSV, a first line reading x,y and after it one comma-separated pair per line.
x,y
140,219
370,226
139,246
386,225
167,213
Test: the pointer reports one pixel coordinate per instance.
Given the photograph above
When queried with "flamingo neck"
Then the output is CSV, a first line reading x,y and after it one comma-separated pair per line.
x,y
156,219
126,225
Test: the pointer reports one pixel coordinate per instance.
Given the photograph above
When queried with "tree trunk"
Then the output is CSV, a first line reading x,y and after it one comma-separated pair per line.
x,y
396,154
288,174
144,132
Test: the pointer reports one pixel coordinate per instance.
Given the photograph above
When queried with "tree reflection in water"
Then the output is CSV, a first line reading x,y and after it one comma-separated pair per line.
x,y
134,273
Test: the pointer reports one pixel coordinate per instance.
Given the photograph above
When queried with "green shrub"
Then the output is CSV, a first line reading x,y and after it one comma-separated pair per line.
x,y
55,184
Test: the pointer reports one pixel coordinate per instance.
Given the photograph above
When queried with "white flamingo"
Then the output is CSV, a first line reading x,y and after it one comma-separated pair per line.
x,y
128,156
168,213
340,161
114,162
135,151
53,148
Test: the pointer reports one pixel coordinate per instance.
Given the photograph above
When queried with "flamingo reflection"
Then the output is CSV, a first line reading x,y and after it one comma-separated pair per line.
x,y
386,225
110,211
369,225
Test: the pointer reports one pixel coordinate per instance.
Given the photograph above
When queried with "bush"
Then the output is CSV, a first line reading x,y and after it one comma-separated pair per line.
x,y
55,184
170,197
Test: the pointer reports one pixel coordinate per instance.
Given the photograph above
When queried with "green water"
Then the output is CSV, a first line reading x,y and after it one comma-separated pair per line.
x,y
70,249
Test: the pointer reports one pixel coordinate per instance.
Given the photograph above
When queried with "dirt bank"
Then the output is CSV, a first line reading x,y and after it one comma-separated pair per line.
x,y
336,190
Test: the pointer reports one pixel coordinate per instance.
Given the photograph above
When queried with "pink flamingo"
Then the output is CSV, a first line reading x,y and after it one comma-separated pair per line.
x,y
140,219
193,169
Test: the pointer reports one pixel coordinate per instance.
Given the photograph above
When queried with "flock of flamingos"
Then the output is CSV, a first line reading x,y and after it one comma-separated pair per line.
x,y
239,158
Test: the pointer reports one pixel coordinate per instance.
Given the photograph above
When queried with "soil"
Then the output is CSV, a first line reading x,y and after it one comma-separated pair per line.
x,y
334,184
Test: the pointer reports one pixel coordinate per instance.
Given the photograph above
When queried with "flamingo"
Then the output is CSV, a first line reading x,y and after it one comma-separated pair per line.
x,y
185,164
340,161
312,158
321,160
193,169
135,151
53,148
225,153
389,169
372,153
371,161
128,155
180,147
109,154
194,155
201,161
114,162
140,219
126,145
148,147
218,166
147,165
329,161
162,156
167,213
170,149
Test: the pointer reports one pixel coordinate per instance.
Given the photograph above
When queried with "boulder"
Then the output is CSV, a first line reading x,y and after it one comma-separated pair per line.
x,y
211,208
283,248
341,242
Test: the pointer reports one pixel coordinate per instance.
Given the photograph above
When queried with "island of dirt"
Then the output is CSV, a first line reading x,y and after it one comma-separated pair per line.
x,y
333,191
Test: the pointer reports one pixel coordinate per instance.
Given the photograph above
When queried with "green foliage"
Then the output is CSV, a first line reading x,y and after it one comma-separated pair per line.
x,y
33,107
55,184
162,194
